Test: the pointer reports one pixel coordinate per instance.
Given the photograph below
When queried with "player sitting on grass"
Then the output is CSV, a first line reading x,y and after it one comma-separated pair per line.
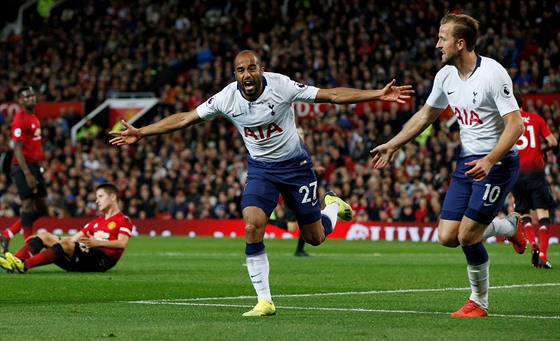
x,y
96,248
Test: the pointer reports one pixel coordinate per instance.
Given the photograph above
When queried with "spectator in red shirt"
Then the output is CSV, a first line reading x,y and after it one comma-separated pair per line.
x,y
26,170
96,248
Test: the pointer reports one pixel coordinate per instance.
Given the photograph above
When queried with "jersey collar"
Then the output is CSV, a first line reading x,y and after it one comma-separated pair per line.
x,y
478,62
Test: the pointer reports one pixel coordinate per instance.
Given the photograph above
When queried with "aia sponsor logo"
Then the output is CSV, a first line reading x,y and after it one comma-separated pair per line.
x,y
262,132
467,118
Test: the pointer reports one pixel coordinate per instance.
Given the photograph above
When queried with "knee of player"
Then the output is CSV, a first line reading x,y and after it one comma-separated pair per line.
x,y
48,238
447,240
313,238
449,243
67,245
314,242
254,229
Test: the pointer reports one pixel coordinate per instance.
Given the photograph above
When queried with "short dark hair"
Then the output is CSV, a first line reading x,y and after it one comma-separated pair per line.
x,y
23,89
254,53
109,188
464,27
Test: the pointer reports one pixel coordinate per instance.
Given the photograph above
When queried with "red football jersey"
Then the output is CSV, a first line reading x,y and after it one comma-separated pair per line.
x,y
109,229
529,144
27,128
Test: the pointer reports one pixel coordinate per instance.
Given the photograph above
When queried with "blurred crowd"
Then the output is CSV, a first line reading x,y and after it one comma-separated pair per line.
x,y
182,51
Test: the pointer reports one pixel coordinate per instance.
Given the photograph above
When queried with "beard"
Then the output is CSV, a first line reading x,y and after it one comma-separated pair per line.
x,y
253,93
451,59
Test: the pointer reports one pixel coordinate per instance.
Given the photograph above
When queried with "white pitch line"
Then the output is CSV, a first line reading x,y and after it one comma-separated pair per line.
x,y
385,311
191,301
372,292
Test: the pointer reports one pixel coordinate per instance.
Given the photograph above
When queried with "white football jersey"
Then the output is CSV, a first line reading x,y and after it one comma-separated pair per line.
x,y
478,103
267,125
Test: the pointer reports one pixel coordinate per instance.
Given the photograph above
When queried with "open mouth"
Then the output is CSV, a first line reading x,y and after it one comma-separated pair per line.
x,y
249,86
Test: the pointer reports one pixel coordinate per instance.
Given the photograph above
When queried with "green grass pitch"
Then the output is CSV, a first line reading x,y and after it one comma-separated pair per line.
x,y
180,288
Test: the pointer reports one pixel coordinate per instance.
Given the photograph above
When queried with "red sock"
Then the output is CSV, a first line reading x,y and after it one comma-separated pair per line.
x,y
46,257
12,230
31,247
529,230
25,252
544,236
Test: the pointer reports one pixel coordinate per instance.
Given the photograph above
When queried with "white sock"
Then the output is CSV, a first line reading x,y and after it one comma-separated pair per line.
x,y
499,227
331,211
479,278
258,268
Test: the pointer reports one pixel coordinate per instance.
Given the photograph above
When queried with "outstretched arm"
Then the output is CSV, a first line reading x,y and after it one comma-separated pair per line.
x,y
167,125
382,154
389,93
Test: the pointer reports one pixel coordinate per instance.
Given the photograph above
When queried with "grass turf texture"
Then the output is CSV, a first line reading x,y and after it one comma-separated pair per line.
x,y
196,289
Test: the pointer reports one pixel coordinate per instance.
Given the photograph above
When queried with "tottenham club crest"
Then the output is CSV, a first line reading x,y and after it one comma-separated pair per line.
x,y
210,101
300,86
505,91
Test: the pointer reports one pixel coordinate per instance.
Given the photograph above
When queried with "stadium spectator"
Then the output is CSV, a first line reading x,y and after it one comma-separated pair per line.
x,y
26,169
479,91
85,68
96,248
260,105
532,191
